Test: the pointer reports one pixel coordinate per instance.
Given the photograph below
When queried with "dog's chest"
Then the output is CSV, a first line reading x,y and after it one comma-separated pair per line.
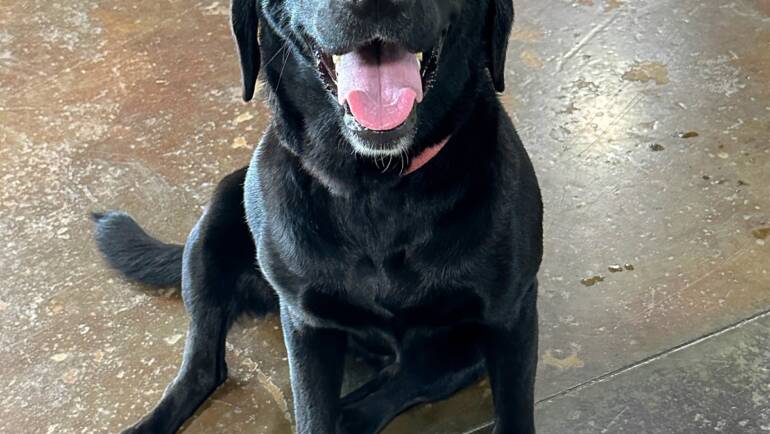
x,y
374,268
377,259
385,246
389,313
390,273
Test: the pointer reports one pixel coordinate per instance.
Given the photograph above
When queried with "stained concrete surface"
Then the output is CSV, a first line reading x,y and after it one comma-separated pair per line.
x,y
648,123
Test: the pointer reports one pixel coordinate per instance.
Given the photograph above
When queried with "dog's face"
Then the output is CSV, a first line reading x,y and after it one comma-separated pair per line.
x,y
380,62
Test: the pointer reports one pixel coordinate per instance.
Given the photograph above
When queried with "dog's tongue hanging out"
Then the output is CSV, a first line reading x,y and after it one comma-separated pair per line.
x,y
380,83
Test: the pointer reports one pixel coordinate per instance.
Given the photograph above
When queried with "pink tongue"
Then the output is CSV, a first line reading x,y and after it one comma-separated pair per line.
x,y
380,86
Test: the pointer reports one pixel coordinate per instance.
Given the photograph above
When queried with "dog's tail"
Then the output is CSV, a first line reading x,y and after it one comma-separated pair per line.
x,y
139,257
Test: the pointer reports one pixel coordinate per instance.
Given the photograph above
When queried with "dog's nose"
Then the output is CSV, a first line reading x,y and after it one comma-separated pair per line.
x,y
377,8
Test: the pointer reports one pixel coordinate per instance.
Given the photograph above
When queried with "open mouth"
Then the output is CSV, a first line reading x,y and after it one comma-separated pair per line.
x,y
379,83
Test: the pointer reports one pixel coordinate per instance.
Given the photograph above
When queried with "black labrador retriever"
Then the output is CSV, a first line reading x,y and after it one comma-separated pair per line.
x,y
390,209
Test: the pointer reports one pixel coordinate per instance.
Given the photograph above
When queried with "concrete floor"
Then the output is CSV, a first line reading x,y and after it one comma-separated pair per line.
x,y
648,122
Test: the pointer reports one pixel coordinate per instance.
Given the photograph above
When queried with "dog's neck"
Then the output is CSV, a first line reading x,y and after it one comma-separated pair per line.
x,y
425,156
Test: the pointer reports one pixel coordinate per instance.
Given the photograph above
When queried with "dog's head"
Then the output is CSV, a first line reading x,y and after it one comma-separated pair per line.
x,y
389,70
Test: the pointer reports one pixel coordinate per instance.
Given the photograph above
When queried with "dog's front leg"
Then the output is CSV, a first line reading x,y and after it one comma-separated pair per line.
x,y
316,362
511,357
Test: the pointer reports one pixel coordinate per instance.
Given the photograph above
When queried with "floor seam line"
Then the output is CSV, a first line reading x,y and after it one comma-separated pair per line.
x,y
647,360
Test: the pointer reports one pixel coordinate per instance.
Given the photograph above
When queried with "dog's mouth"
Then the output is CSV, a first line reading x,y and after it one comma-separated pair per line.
x,y
379,83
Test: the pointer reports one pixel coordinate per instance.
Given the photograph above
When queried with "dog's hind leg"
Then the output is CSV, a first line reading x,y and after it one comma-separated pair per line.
x,y
430,368
219,282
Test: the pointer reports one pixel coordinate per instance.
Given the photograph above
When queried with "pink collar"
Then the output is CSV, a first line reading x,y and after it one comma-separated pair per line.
x,y
425,156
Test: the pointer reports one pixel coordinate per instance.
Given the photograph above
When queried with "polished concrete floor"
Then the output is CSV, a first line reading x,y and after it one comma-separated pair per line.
x,y
649,125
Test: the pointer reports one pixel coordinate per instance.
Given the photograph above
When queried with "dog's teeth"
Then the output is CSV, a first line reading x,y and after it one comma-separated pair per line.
x,y
336,59
419,57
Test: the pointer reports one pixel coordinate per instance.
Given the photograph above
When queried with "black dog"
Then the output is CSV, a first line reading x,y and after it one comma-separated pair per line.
x,y
391,209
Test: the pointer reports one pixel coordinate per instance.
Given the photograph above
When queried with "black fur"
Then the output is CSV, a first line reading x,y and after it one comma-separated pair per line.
x,y
499,22
432,274
245,21
138,256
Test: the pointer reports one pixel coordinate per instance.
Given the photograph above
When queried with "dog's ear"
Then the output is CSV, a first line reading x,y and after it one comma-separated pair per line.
x,y
244,15
498,30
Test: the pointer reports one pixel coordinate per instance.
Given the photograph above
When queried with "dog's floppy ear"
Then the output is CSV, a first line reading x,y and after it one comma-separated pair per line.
x,y
245,21
498,29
